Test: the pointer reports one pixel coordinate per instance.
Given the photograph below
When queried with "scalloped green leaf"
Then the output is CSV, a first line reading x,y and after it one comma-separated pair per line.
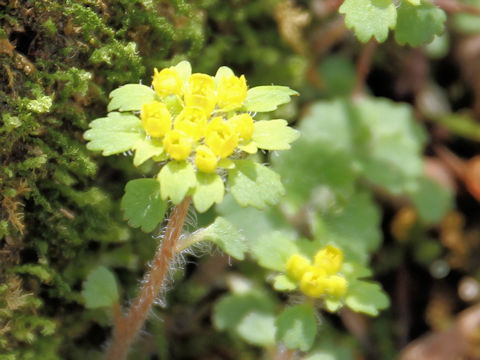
x,y
227,237
114,134
274,134
431,200
284,283
176,178
142,204
248,315
417,25
267,98
354,227
297,327
147,148
100,289
252,184
369,18
366,297
272,250
209,190
130,97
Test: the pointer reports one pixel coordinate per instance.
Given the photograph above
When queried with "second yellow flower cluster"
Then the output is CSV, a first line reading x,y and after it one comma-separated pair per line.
x,y
322,278
205,122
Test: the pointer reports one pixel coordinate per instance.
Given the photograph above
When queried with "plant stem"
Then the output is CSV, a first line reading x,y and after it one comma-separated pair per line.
x,y
127,327
363,67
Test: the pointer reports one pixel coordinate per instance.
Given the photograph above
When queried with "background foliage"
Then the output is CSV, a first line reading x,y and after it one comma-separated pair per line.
x,y
397,165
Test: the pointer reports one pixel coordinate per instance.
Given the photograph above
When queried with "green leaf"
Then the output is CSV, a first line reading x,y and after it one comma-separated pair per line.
x,y
258,328
331,351
227,237
221,72
274,134
284,283
114,134
417,25
273,250
176,178
381,139
145,149
267,98
100,289
390,149
310,166
431,200
354,227
249,316
130,97
366,297
333,305
297,327
209,190
252,184
184,69
142,204
252,222
369,18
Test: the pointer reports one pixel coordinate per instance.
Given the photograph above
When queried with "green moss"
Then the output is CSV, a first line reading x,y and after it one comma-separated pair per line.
x,y
64,216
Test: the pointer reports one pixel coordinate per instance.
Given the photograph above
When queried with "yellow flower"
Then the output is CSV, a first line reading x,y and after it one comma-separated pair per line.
x,y
156,119
243,125
207,104
329,258
205,159
221,137
297,265
192,121
201,84
313,282
231,92
177,144
167,82
335,285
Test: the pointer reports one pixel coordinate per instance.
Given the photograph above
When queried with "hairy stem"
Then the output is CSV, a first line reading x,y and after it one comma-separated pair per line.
x,y
127,327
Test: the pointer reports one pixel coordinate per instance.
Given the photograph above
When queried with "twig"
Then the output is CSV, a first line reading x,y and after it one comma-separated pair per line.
x,y
453,6
127,327
363,67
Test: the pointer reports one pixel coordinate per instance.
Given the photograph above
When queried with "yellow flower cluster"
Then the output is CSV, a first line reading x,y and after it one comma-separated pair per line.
x,y
206,125
322,278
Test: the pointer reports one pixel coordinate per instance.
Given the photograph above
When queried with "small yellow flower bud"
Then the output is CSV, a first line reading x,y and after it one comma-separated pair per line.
x,y
177,144
221,137
156,119
243,125
205,159
313,282
201,84
167,82
192,121
297,265
206,103
329,258
231,92
336,286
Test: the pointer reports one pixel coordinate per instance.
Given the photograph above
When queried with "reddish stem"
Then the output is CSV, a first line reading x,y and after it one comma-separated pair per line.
x,y
452,6
282,353
363,67
127,327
